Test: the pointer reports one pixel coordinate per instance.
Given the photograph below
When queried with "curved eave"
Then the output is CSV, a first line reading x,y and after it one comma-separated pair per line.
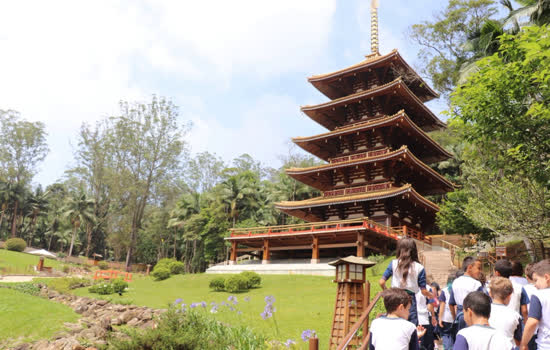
x,y
300,173
315,112
308,143
322,81
378,195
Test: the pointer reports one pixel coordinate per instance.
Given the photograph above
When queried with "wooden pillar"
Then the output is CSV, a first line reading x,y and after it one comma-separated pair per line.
x,y
315,251
148,269
366,303
360,244
233,258
265,259
40,266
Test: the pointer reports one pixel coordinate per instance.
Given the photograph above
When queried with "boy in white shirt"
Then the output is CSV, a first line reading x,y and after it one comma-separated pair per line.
x,y
519,299
539,310
445,317
393,331
530,290
503,318
479,335
462,286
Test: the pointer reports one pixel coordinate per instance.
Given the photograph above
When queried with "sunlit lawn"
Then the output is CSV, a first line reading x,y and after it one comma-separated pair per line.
x,y
30,317
21,263
302,302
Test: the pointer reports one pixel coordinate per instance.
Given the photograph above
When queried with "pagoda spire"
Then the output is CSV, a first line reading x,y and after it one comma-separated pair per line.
x,y
374,27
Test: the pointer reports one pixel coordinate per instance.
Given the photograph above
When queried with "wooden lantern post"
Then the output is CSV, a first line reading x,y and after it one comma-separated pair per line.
x,y
352,297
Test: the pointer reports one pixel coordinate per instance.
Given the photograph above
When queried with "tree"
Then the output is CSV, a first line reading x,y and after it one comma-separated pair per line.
x,y
147,142
22,147
78,209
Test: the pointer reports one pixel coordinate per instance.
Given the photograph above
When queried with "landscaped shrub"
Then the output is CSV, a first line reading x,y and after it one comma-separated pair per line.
x,y
160,273
253,280
177,267
16,244
66,268
23,287
165,262
189,330
119,285
218,284
61,255
103,265
65,284
102,288
236,283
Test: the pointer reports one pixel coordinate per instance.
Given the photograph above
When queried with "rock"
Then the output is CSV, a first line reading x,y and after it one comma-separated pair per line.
x,y
126,316
146,315
101,302
78,347
134,322
81,309
52,294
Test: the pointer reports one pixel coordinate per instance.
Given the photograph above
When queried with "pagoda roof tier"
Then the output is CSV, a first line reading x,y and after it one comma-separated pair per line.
x,y
393,96
327,145
401,163
333,84
306,209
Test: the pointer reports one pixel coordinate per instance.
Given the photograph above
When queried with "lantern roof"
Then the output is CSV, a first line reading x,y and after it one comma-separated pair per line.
x,y
352,260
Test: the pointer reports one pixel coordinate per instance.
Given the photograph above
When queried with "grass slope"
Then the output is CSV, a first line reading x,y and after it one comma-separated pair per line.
x,y
302,302
21,263
28,318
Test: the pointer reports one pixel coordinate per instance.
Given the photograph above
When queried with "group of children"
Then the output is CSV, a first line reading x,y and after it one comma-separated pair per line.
x,y
508,312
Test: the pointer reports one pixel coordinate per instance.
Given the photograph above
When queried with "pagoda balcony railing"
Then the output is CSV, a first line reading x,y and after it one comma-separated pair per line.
x,y
317,227
358,189
413,233
357,156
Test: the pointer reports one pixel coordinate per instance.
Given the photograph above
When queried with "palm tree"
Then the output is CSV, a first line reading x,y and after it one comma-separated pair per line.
x,y
37,206
537,11
78,209
16,193
238,193
186,206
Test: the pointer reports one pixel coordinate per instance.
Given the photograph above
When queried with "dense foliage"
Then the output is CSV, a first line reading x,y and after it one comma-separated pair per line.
x,y
15,244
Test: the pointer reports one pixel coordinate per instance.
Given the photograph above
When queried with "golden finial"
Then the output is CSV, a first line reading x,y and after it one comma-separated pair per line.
x,y
374,27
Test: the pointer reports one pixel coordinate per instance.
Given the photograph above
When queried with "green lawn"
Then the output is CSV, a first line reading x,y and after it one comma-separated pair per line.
x,y
302,302
29,318
21,263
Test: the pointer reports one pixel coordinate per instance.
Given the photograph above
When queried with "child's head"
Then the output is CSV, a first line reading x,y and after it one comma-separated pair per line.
x,y
541,274
471,267
406,254
517,268
397,302
450,279
529,272
476,305
501,290
503,268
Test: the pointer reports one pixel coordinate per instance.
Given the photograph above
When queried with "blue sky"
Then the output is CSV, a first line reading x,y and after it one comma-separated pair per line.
x,y
237,69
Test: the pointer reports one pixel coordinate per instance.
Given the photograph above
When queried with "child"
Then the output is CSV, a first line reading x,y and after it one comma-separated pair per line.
x,y
519,299
446,319
539,310
530,290
503,318
393,331
464,285
407,274
517,274
426,316
479,335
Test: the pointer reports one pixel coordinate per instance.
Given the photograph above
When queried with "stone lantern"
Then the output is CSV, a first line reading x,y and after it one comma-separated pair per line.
x,y
352,297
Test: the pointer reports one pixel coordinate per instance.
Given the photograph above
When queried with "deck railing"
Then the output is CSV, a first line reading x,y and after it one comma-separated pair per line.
x,y
313,227
358,189
360,322
413,233
453,249
357,156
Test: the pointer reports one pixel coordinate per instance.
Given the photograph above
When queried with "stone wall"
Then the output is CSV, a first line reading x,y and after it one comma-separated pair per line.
x,y
96,323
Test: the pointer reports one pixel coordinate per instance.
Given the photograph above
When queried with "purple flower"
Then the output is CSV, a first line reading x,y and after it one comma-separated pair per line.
x,y
232,299
203,304
231,308
269,309
289,343
270,299
239,313
214,309
307,334
265,315
247,299
178,300
193,305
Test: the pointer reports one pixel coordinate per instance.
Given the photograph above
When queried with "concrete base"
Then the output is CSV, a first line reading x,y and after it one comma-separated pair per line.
x,y
278,267
231,262
265,262
315,261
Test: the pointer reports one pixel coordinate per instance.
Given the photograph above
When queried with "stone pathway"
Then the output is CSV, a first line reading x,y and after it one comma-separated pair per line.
x,y
13,279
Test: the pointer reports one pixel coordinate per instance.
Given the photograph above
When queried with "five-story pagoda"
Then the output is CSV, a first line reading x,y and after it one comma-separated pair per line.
x,y
378,156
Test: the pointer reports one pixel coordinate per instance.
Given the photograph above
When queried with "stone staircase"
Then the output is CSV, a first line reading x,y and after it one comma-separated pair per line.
x,y
438,265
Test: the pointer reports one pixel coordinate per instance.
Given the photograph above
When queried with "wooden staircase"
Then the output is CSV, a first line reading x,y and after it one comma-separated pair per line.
x,y
438,265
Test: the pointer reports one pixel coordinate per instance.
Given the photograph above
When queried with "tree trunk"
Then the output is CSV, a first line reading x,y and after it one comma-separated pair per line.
x,y
543,251
530,248
72,241
14,222
175,239
50,242
89,239
133,237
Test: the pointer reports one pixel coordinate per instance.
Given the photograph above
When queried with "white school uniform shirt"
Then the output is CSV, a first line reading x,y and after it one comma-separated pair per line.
x,y
505,320
540,310
411,283
515,300
461,287
478,337
444,297
391,333
529,289
519,280
422,307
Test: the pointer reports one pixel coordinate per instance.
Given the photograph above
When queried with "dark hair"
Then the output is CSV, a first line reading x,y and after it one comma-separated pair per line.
x,y
469,260
517,268
452,277
504,267
542,267
406,254
435,285
501,287
394,297
459,273
529,270
479,303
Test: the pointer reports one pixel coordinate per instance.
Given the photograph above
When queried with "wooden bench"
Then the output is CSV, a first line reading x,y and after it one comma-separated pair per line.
x,y
112,274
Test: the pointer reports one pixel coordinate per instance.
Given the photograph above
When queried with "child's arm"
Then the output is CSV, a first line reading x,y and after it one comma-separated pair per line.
x,y
442,301
518,333
422,284
524,300
387,274
528,332
452,303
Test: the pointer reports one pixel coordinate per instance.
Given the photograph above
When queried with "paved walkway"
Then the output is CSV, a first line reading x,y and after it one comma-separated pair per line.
x,y
11,279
